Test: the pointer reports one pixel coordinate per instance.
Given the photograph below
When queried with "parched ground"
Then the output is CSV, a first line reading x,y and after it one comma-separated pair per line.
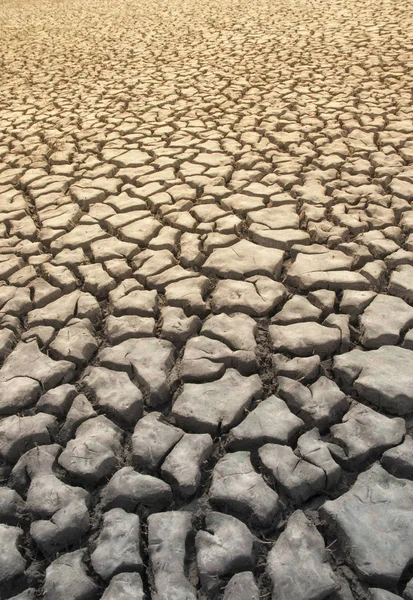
x,y
206,326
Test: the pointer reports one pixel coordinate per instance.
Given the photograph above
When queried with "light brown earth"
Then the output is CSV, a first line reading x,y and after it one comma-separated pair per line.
x,y
206,300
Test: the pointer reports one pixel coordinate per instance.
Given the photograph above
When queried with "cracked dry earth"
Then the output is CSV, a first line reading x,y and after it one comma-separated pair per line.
x,y
206,334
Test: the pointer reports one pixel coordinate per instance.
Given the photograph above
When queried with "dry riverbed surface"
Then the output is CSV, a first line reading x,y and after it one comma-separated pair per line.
x,y
206,300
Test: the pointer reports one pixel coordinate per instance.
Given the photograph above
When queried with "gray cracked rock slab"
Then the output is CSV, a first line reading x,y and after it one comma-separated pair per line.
x,y
383,321
19,396
119,329
48,494
189,294
57,313
242,203
329,269
42,334
206,359
383,377
152,440
279,217
305,339
138,302
373,524
321,404
311,447
176,326
354,302
58,400
218,405
125,586
115,393
173,275
399,460
12,507
81,410
300,368
15,301
363,435
298,563
132,491
152,262
223,547
298,478
142,231
75,343
236,487
65,527
182,466
67,579
37,461
324,300
297,310
12,563
150,360
95,451
242,586
244,259
255,296
400,282
238,330
118,546
7,341
28,361
42,293
270,421
168,534
342,324
19,434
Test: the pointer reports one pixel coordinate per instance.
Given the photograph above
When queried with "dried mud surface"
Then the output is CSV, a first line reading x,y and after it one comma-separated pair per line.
x,y
206,300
